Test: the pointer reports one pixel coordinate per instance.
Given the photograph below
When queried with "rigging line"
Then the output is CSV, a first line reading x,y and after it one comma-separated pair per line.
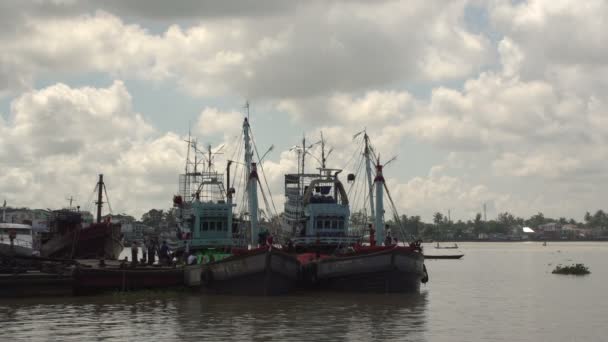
x,y
264,197
255,148
395,214
357,170
357,183
89,201
107,198
360,143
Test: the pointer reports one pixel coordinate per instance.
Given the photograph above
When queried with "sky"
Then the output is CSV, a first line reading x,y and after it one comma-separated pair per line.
x,y
501,103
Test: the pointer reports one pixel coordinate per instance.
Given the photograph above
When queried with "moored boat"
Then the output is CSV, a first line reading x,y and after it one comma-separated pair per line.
x,y
317,212
97,279
448,256
21,236
387,269
69,238
228,247
263,271
455,246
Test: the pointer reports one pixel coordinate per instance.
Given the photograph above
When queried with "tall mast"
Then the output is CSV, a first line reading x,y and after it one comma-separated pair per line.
x,y
303,153
251,181
252,191
209,162
368,171
99,197
186,173
379,218
322,151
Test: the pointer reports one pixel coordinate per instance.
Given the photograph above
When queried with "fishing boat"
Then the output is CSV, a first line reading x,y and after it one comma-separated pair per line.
x,y
69,238
317,214
233,259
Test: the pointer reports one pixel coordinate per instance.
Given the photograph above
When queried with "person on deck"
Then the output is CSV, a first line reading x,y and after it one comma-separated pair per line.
x,y
388,240
163,254
192,259
134,252
151,245
144,251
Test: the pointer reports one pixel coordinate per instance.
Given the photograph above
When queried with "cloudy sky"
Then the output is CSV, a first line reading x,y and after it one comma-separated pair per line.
x,y
496,102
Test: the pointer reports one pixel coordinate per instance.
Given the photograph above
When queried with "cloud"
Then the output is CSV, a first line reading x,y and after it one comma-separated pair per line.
x,y
59,138
213,121
320,47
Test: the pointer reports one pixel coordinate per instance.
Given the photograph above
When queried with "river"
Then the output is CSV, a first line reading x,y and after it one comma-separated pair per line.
x,y
497,292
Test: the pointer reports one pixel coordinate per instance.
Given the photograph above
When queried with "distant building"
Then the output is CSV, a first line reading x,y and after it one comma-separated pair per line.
x,y
136,231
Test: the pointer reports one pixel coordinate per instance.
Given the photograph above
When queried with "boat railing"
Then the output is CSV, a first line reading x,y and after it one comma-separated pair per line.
x,y
18,242
326,240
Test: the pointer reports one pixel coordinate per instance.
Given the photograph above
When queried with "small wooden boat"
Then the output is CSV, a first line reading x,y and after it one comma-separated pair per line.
x,y
453,256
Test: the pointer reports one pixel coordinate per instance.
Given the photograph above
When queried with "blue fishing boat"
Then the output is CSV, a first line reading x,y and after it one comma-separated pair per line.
x,y
234,260
333,256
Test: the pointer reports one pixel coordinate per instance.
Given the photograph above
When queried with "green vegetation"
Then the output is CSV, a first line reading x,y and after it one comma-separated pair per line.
x,y
504,224
577,269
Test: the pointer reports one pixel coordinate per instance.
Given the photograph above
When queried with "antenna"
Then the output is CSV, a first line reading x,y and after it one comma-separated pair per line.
x,y
70,199
247,109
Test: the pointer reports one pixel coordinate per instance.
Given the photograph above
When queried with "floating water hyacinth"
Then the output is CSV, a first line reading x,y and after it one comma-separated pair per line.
x,y
577,269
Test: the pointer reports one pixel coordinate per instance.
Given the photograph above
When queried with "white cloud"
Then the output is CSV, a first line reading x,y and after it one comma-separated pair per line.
x,y
59,138
213,121
320,47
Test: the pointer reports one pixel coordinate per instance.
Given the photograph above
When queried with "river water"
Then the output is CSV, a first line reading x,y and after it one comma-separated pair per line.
x,y
497,292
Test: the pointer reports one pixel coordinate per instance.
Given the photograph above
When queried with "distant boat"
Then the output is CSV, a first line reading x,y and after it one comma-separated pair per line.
x,y
453,256
69,238
446,247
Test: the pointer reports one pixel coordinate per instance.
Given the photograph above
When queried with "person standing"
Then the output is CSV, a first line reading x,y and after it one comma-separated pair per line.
x,y
151,251
134,252
163,254
144,251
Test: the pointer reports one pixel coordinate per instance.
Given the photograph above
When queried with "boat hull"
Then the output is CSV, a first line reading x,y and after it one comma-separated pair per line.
x,y
263,272
399,269
454,256
97,241
6,251
90,280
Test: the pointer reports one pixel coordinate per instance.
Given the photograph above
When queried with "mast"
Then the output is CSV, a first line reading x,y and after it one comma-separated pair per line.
x,y
323,157
99,197
187,177
303,153
228,191
253,203
251,182
379,218
368,171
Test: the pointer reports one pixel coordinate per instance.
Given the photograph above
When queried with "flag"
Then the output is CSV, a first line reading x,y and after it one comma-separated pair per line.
x,y
4,205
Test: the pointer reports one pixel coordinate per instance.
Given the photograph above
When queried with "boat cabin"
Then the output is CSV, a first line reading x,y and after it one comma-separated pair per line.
x,y
317,208
206,220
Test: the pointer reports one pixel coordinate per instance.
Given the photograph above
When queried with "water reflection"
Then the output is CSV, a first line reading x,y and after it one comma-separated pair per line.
x,y
190,317
316,317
